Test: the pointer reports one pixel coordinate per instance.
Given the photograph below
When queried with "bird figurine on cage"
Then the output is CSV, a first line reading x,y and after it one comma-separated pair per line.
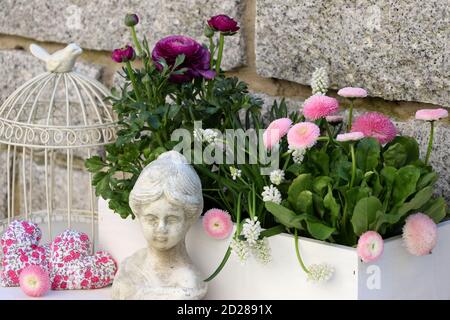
x,y
60,61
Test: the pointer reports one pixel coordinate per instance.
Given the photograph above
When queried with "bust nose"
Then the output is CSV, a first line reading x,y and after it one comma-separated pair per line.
x,y
162,227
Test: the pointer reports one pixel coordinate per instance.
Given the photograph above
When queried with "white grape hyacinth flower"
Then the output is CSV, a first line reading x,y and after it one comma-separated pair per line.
x,y
320,81
271,193
298,154
320,272
251,229
262,251
235,173
240,248
277,176
209,136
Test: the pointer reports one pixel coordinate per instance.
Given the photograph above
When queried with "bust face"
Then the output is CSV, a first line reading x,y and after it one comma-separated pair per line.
x,y
163,224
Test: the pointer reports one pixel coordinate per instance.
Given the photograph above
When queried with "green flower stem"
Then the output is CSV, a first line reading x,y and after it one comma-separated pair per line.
x,y
323,139
211,50
136,41
350,116
287,162
327,126
430,143
133,80
219,54
297,251
352,150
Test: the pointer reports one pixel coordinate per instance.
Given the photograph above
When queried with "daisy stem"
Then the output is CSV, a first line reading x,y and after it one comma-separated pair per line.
x,y
430,143
219,54
352,150
297,251
327,126
350,116
287,162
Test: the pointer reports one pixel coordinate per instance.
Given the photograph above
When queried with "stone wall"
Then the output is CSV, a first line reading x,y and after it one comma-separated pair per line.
x,y
398,50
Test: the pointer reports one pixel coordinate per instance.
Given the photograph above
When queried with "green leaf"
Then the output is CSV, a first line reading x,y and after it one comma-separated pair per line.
x,y
395,156
404,183
355,194
388,174
317,229
321,183
410,146
435,209
367,154
301,183
173,110
427,179
420,199
94,164
304,203
285,216
365,214
321,161
331,204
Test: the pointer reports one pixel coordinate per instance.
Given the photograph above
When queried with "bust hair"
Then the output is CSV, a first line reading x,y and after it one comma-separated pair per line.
x,y
169,175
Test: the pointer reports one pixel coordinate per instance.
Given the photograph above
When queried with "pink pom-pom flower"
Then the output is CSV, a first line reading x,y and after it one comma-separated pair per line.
x,y
303,135
419,234
431,114
370,246
334,119
34,281
351,136
317,106
375,125
217,223
276,130
352,92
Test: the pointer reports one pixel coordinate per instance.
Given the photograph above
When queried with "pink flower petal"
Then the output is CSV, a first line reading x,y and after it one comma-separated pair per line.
x,y
370,246
375,125
276,130
303,135
431,114
317,106
419,234
352,92
217,223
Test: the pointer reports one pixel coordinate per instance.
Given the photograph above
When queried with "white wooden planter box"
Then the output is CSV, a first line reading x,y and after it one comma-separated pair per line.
x,y
396,275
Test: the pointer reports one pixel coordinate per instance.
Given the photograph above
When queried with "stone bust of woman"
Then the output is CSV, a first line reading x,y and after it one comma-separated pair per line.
x,y
166,199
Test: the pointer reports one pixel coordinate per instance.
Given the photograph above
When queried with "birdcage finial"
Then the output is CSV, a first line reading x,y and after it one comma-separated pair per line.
x,y
60,61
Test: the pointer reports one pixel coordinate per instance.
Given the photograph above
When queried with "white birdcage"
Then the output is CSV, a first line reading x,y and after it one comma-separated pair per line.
x,y
50,122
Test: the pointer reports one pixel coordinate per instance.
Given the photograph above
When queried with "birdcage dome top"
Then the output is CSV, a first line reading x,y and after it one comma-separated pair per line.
x,y
60,108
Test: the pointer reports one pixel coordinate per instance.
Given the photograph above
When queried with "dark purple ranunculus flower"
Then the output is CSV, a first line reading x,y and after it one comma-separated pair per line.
x,y
196,61
224,24
123,54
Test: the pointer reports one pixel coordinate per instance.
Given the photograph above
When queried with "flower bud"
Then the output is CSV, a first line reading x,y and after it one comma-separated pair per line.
x,y
208,31
131,19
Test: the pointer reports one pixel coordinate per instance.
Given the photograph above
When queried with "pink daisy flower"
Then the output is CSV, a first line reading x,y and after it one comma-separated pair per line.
x,y
352,92
431,114
217,223
351,136
334,119
370,246
316,107
303,135
276,130
34,281
419,234
375,125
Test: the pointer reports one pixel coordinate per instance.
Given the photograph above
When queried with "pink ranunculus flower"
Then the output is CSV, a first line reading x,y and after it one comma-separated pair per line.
x,y
419,234
124,54
351,136
34,281
196,61
224,24
370,246
276,130
217,223
375,125
431,114
303,135
352,92
317,106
